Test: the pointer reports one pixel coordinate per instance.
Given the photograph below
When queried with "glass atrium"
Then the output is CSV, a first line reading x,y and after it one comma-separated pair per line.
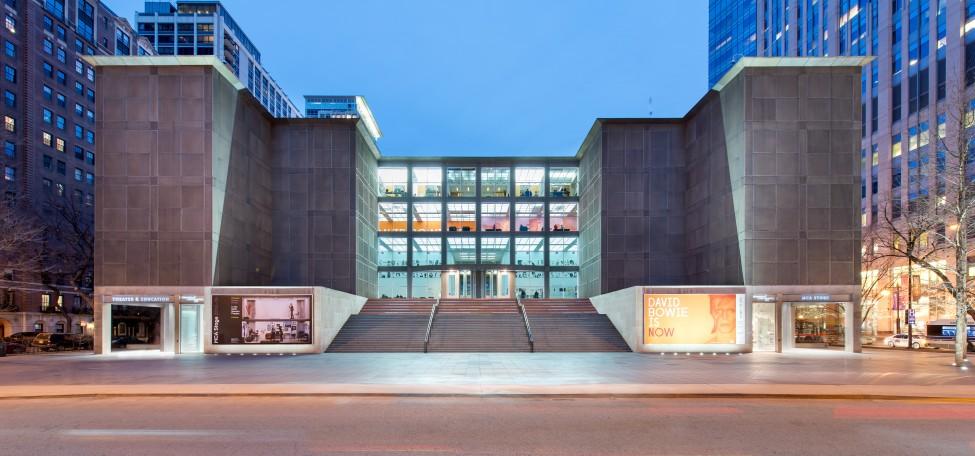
x,y
478,230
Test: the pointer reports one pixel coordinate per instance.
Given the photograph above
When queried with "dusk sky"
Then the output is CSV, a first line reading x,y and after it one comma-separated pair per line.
x,y
447,77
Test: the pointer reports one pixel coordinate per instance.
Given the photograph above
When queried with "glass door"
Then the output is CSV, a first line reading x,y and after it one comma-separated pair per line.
x,y
497,284
763,326
190,340
458,285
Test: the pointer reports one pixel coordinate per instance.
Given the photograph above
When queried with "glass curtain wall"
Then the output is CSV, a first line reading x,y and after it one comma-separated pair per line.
x,y
497,216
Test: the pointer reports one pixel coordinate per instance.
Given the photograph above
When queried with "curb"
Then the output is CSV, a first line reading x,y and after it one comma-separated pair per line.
x,y
847,397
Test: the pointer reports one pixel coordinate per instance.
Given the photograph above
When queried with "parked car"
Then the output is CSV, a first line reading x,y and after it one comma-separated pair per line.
x,y
53,342
82,342
900,340
123,341
23,338
14,347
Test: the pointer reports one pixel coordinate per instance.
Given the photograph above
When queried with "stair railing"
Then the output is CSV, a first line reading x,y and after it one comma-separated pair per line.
x,y
528,326
433,313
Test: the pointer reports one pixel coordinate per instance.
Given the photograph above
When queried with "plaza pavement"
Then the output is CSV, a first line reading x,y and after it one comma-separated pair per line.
x,y
875,374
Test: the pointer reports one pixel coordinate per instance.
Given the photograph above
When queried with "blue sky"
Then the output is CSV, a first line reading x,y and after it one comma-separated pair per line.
x,y
489,77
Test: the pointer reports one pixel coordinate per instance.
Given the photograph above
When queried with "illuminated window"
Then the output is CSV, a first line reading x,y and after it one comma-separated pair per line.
x,y
529,181
461,182
391,251
426,284
495,182
9,124
495,217
460,217
426,216
392,182
563,251
530,216
392,216
529,251
59,144
426,251
564,216
461,250
427,181
563,285
392,284
47,139
495,250
563,182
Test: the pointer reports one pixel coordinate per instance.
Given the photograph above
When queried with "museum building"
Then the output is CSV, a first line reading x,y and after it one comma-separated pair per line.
x,y
223,229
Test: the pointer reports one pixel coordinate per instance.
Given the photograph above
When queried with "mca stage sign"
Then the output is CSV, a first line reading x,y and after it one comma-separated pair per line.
x,y
692,319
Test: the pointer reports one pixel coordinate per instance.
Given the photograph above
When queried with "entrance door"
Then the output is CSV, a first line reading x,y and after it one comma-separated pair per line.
x,y
190,337
458,285
497,284
763,326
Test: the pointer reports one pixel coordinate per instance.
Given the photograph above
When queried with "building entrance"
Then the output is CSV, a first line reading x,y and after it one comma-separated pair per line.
x,y
458,284
497,284
491,283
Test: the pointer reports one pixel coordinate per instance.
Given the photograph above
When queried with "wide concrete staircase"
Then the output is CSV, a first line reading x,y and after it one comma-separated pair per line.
x,y
478,325
571,325
385,325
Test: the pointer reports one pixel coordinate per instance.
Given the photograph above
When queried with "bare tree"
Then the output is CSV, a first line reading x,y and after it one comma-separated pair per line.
x,y
934,232
21,238
69,254
876,273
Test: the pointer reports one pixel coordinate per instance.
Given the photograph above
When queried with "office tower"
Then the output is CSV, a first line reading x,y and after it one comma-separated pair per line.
x,y
48,133
924,50
193,27
342,107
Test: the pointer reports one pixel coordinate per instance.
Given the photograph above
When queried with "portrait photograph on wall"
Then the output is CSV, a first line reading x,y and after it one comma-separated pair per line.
x,y
262,320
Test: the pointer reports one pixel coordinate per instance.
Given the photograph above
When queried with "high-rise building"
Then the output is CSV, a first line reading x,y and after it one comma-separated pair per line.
x,y
48,132
342,107
923,49
199,27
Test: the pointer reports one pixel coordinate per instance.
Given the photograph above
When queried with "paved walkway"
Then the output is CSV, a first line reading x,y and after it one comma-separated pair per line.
x,y
878,374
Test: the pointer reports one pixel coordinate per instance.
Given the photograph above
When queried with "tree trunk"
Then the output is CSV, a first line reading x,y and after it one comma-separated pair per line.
x,y
961,293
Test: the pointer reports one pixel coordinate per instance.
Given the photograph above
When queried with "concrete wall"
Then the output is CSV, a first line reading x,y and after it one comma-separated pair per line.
x,y
154,201
590,215
623,309
366,210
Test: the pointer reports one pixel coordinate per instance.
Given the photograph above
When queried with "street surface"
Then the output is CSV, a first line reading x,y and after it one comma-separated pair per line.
x,y
284,426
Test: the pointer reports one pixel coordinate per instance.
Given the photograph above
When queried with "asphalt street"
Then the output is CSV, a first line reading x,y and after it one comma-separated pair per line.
x,y
472,426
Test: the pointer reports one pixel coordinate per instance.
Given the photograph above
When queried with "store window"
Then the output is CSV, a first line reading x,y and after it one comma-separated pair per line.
x,y
495,217
461,250
392,285
427,216
427,181
391,251
529,182
564,216
495,250
461,182
530,251
392,217
427,250
819,325
460,217
563,182
495,182
426,284
392,182
563,251
530,216
563,285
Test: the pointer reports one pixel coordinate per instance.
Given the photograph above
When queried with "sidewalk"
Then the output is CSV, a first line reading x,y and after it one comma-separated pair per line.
x,y
878,374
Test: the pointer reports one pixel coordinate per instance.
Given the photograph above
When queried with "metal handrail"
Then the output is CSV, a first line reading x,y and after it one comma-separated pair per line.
x,y
528,326
433,313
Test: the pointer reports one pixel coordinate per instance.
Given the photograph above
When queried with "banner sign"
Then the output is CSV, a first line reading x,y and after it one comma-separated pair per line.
x,y
261,320
692,319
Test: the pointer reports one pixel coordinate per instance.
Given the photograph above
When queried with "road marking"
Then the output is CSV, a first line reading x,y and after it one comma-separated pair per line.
x,y
147,433
906,413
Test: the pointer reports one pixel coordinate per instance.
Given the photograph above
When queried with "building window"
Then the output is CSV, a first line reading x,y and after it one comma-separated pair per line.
x,y
9,73
11,24
9,124
45,302
9,99
89,199
47,185
47,69
62,169
391,251
61,55
60,189
61,78
427,181
79,175
79,88
79,110
90,158
495,182
47,93
495,217
47,46
9,174
426,251
495,250
461,250
563,251
59,144
392,182
392,217
48,162
47,139
10,49
460,217
59,123
80,69
79,153
529,181
79,132
10,149
563,182
90,137
89,178
61,101
564,216
530,216
461,182
46,115
530,251
427,216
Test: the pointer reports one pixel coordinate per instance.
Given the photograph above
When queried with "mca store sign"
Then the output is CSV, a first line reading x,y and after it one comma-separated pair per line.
x,y
693,319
